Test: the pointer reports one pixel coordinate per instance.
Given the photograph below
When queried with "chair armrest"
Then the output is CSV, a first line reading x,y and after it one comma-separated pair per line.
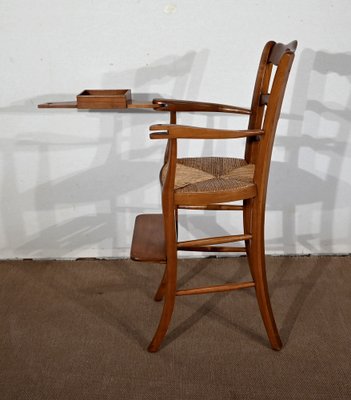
x,y
193,132
191,106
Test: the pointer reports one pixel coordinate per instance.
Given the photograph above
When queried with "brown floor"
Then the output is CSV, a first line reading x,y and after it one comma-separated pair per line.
x,y
78,330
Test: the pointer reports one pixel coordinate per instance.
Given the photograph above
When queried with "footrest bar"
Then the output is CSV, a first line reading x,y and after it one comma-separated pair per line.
x,y
219,249
214,289
214,240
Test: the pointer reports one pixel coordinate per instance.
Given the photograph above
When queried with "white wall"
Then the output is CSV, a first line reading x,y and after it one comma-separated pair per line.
x,y
72,182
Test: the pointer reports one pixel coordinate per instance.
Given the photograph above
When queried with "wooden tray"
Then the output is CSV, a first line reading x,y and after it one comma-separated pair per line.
x,y
104,99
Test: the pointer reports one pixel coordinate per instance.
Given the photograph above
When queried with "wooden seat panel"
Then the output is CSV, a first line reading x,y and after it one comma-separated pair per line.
x,y
148,243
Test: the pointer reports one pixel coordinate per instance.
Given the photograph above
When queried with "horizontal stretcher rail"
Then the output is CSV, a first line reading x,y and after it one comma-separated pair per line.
x,y
213,207
220,249
213,240
215,289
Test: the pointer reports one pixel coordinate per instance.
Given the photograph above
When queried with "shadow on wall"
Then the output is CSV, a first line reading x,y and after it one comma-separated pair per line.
x,y
120,167
314,149
306,188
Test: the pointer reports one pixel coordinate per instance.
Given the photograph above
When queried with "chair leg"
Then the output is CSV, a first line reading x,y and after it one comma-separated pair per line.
x,y
168,306
247,218
162,287
256,257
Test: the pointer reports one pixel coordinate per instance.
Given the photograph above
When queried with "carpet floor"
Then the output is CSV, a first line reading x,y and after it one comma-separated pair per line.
x,y
79,330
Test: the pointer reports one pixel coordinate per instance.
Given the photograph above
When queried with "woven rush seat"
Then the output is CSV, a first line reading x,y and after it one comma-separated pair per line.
x,y
211,174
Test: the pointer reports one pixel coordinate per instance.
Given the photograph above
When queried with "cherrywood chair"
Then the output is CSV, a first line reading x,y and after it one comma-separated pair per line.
x,y
214,183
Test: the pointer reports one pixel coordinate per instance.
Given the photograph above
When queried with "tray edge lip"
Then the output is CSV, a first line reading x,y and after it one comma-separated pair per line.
x,y
83,95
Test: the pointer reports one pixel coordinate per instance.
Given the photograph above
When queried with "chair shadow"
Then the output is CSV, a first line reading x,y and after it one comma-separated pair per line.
x,y
110,188
297,183
305,284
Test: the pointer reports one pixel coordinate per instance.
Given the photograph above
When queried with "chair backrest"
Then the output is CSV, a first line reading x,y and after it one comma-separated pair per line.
x,y
271,80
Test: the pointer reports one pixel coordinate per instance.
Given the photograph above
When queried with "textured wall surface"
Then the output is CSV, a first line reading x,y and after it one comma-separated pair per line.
x,y
72,182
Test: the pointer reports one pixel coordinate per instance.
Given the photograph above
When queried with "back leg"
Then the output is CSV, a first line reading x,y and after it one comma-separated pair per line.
x,y
168,306
256,257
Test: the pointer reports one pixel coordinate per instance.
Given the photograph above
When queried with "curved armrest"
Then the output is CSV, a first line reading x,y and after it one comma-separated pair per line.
x,y
187,105
193,132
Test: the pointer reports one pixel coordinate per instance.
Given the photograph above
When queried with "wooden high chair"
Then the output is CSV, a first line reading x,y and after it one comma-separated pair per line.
x,y
213,183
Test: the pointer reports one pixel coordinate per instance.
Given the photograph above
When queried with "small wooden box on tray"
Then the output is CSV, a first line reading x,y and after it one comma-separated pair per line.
x,y
104,99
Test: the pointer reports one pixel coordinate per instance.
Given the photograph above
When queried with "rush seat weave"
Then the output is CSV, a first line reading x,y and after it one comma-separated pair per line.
x,y
211,174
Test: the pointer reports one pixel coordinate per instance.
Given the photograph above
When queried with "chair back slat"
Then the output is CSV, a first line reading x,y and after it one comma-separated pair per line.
x,y
271,80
